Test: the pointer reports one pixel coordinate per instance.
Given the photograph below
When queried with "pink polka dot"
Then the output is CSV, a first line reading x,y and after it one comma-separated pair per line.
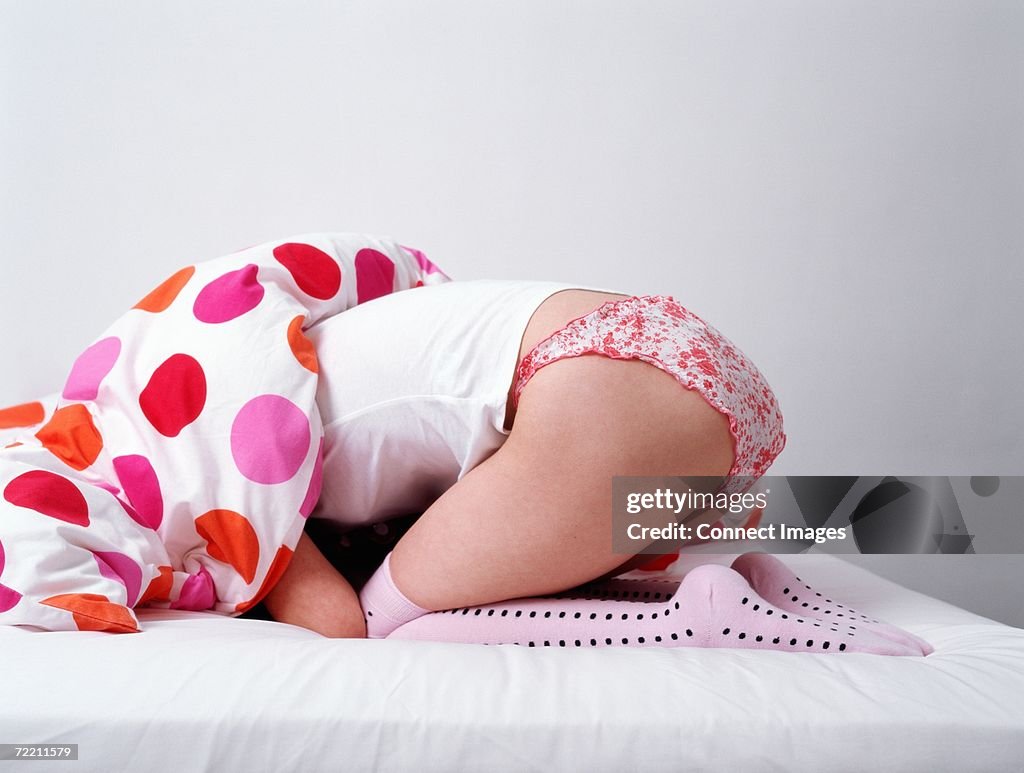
x,y
142,488
196,592
229,296
375,274
91,368
49,494
315,483
130,511
270,439
425,264
118,567
8,596
175,395
108,487
314,271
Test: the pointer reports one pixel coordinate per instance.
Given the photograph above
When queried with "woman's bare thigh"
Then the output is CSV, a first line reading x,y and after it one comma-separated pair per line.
x,y
535,517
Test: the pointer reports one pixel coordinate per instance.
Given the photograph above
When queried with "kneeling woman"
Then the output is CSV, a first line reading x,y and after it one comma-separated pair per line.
x,y
501,410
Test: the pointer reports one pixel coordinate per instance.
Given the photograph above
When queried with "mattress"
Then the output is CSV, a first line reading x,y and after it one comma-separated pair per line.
x,y
196,691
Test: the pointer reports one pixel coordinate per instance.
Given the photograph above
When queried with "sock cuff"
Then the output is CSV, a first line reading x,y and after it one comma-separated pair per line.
x,y
381,598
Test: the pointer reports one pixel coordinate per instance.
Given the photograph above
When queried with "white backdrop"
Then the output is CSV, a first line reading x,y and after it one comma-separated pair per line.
x,y
838,187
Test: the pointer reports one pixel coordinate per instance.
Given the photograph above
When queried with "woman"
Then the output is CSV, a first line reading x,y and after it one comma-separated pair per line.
x,y
501,410
344,373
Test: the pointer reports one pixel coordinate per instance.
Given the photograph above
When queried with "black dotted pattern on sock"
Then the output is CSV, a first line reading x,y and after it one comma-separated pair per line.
x,y
793,642
665,613
850,611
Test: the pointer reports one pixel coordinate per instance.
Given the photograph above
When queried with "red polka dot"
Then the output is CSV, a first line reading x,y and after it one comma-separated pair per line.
x,y
229,296
50,494
163,295
281,560
71,436
175,395
231,539
93,612
301,346
141,486
314,271
658,563
24,415
375,275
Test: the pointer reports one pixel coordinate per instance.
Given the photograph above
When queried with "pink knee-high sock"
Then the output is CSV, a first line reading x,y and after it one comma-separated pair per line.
x,y
777,583
385,607
712,607
772,580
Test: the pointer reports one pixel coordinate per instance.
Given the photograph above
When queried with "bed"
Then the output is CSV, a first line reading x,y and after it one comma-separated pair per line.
x,y
197,691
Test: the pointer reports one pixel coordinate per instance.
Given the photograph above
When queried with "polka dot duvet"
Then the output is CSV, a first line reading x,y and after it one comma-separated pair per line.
x,y
169,472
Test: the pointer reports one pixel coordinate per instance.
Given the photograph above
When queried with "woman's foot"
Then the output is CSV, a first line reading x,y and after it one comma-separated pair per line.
x,y
777,583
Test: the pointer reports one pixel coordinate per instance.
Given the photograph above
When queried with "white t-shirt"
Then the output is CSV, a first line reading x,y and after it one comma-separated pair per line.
x,y
413,390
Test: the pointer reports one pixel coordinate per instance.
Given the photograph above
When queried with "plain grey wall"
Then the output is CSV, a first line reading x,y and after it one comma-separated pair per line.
x,y
837,186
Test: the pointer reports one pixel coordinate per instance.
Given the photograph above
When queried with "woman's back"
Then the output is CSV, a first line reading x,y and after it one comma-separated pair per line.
x,y
413,392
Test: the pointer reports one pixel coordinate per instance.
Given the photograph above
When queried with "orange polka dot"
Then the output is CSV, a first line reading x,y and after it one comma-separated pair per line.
x,y
302,347
281,560
755,518
71,436
24,415
159,588
232,539
93,612
163,295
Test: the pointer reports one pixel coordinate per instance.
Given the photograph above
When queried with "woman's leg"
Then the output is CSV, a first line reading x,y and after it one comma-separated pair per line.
x,y
779,585
770,579
489,499
534,518
713,607
536,521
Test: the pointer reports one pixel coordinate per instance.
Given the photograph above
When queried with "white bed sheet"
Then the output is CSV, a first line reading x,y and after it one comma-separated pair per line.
x,y
202,692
